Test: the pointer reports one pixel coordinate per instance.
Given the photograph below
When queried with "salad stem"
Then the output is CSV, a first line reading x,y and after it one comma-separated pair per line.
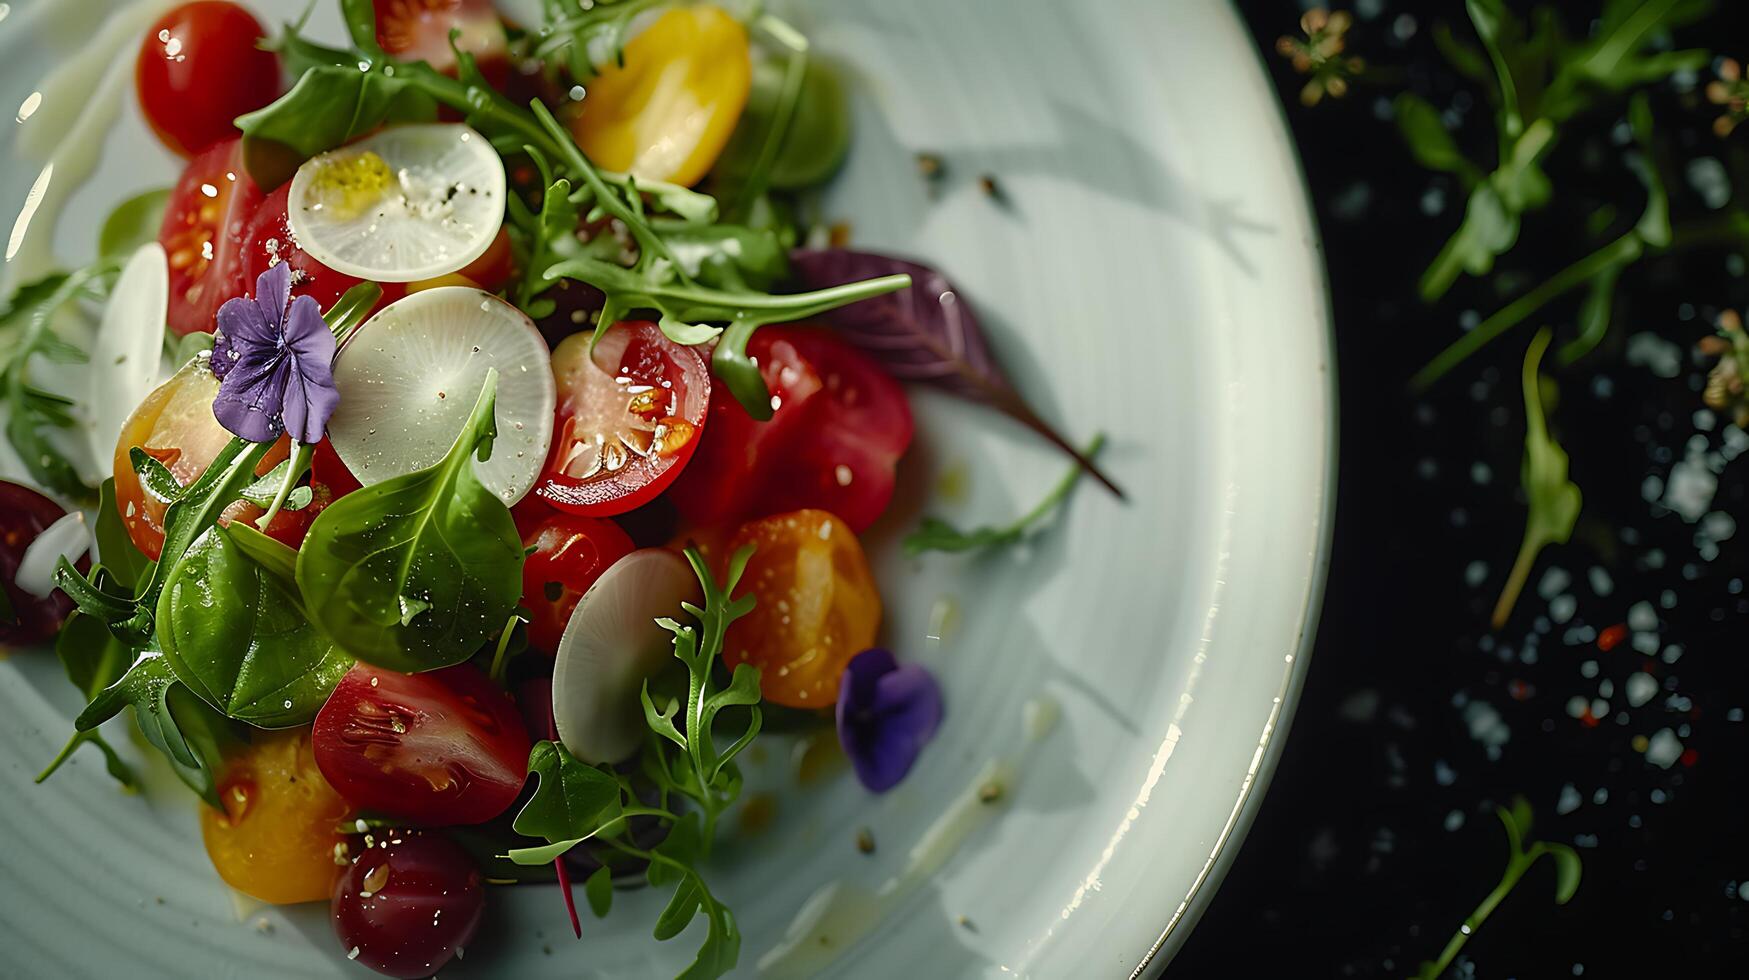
x,y
301,454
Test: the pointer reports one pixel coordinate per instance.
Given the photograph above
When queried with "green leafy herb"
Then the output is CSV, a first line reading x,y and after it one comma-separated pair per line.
x,y
114,547
331,105
232,626
1554,499
351,309
174,721
1519,859
938,535
133,223
416,572
572,802
93,660
580,37
27,331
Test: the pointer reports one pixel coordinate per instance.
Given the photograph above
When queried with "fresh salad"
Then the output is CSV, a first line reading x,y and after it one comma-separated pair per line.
x,y
487,419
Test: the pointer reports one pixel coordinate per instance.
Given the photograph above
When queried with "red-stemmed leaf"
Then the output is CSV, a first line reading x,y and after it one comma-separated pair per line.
x,y
926,334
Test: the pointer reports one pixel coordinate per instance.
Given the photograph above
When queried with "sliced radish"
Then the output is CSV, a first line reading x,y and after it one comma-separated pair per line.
x,y
409,203
409,377
611,646
128,348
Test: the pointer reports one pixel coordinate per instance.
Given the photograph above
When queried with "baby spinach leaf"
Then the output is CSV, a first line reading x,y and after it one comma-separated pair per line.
x,y
133,223
1554,499
175,722
437,537
93,659
331,105
232,626
938,535
572,802
598,889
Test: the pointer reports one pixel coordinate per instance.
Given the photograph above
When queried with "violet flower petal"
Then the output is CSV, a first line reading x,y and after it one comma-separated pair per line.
x,y
273,291
242,325
887,713
253,410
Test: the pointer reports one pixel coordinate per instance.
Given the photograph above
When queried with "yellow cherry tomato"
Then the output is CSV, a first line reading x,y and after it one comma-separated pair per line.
x,y
276,839
669,110
817,606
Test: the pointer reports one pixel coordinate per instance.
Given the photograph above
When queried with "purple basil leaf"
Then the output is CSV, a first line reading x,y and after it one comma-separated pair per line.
x,y
927,334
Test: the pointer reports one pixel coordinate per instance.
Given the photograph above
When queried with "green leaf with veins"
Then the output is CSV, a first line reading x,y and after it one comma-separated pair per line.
x,y
572,802
1519,859
938,535
1554,499
93,659
232,626
436,537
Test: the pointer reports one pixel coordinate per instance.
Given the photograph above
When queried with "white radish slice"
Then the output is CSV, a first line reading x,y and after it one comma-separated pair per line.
x,y
128,348
408,203
68,536
610,646
409,377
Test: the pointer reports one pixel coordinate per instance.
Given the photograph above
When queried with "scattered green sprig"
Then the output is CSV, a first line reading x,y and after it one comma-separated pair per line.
x,y
1517,820
575,802
935,534
1554,499
583,37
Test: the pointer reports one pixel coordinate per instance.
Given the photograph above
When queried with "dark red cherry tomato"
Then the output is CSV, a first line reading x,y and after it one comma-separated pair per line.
x,y
26,619
439,748
408,904
839,428
268,240
200,67
202,235
570,553
626,430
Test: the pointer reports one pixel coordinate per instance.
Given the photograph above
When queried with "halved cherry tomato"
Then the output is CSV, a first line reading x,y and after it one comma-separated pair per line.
x,y
202,235
570,553
268,240
418,30
624,432
200,67
277,839
669,109
175,426
838,430
817,606
439,748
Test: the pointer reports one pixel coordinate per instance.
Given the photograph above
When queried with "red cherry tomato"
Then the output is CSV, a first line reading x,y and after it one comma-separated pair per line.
x,y
408,905
624,432
840,426
268,240
27,619
202,235
570,553
418,30
439,748
200,67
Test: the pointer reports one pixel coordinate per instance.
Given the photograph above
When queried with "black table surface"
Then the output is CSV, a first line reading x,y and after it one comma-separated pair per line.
x,y
1378,834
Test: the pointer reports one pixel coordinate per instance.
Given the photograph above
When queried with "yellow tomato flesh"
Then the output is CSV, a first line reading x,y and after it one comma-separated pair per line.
x,y
668,112
276,839
817,606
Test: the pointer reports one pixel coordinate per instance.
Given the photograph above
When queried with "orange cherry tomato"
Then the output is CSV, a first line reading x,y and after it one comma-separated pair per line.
x,y
668,111
277,839
817,606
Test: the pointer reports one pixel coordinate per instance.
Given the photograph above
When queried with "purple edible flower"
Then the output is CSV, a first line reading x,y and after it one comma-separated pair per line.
x,y
886,714
274,358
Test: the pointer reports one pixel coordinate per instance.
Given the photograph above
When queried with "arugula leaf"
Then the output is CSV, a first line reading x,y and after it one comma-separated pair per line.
x,y
93,660
1519,859
436,542
1554,499
581,37
938,535
175,722
331,105
232,626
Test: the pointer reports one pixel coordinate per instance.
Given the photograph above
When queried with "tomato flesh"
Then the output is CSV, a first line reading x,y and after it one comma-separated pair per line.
x,y
277,837
199,68
817,606
438,748
202,235
570,553
408,904
418,30
623,433
268,241
832,443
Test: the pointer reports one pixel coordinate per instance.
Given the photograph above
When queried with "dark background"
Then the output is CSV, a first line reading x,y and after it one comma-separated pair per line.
x,y
1378,835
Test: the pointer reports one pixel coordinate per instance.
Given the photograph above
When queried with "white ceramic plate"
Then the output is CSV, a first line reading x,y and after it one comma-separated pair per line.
x,y
1154,276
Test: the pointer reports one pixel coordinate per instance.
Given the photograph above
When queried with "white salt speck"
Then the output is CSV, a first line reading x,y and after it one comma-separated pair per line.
x,y
1646,643
1562,607
1554,582
1654,353
1576,706
1455,820
1599,708
1487,727
1588,669
1704,420
1480,473
1735,714
1743,891
1601,584
1691,487
1642,687
1641,616
1606,688
1443,773
1475,573
352,954
1569,800
1600,797
1664,749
